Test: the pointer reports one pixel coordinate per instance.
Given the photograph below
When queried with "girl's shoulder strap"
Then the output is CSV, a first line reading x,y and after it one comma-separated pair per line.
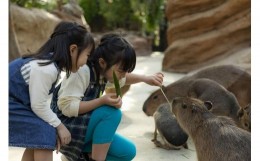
x,y
27,59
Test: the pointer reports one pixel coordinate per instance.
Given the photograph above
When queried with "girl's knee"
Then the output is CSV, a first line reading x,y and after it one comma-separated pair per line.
x,y
109,111
122,149
131,153
128,155
117,113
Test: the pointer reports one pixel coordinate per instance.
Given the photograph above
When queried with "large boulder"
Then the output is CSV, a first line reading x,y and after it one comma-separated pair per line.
x,y
202,31
141,44
32,28
29,29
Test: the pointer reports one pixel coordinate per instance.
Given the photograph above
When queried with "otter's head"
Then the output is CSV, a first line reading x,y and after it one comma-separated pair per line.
x,y
153,101
189,110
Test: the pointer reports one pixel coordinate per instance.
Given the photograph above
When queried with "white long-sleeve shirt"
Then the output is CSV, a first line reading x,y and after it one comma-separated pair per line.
x,y
40,80
72,91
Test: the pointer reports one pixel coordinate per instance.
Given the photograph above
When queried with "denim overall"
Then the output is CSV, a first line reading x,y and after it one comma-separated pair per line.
x,y
77,125
26,129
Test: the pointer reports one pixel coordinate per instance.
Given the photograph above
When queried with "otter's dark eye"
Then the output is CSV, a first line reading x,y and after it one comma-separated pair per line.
x,y
246,124
155,97
184,106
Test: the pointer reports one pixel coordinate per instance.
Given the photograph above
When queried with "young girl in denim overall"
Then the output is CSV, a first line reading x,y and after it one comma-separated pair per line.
x,y
32,78
91,116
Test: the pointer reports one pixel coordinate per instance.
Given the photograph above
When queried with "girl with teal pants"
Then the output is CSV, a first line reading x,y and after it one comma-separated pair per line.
x,y
91,116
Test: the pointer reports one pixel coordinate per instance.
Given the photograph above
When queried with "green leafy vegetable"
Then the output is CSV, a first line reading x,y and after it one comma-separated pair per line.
x,y
117,86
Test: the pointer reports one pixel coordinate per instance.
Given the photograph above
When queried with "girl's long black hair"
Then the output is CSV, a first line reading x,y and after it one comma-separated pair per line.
x,y
57,48
114,49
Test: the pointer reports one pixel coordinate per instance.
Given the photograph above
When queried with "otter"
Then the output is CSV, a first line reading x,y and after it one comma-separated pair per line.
x,y
224,102
233,78
244,115
215,137
171,133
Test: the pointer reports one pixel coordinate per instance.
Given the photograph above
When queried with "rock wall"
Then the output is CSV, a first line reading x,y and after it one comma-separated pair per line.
x,y
201,31
29,29
32,28
141,44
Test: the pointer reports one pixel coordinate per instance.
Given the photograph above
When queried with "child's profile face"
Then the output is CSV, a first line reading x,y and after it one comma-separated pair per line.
x,y
119,73
83,57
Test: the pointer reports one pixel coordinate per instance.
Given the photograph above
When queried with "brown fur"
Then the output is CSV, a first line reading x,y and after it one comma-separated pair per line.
x,y
233,78
216,138
170,131
224,102
244,115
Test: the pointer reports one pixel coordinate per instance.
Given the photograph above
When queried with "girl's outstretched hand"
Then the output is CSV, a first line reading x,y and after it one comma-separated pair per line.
x,y
111,99
155,80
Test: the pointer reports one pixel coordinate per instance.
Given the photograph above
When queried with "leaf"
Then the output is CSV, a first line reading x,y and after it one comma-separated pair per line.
x,y
117,86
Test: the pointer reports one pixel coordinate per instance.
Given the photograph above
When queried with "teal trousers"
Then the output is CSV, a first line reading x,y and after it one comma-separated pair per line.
x,y
102,129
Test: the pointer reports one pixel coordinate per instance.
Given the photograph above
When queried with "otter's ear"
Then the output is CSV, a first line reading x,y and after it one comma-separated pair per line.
x,y
247,108
208,105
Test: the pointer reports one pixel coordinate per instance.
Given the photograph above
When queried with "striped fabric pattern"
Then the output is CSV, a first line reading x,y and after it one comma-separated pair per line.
x,y
25,71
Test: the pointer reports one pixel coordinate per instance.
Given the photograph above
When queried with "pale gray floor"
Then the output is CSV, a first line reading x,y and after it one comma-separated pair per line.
x,y
135,124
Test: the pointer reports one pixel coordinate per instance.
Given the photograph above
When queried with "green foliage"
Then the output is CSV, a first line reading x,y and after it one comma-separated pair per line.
x,y
91,9
150,13
139,15
143,15
47,5
109,14
155,13
117,13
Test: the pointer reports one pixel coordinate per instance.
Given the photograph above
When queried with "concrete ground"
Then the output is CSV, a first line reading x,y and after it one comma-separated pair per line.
x,y
135,125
